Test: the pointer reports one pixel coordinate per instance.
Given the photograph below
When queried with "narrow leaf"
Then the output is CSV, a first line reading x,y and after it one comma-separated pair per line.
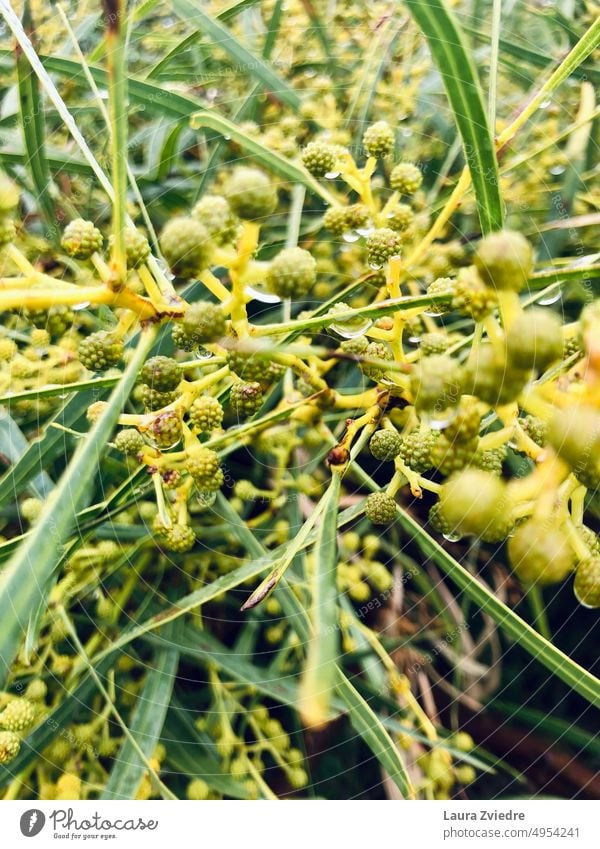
x,y
25,580
455,65
323,649
146,725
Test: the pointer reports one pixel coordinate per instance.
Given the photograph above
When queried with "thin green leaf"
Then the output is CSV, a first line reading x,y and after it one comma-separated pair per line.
x,y
146,724
191,13
320,672
14,447
366,723
455,65
26,577
579,679
34,130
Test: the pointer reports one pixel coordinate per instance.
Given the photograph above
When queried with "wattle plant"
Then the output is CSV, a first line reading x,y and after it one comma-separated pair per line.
x,y
290,399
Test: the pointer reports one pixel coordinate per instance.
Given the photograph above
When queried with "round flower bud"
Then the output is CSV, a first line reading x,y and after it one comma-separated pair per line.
x,y
137,249
466,423
8,231
179,538
214,213
378,139
381,245
475,502
436,383
380,508
197,790
540,553
162,373
471,297
504,260
130,442
18,715
10,744
250,193
204,467
491,379
405,178
336,220
441,286
245,399
291,273
574,434
587,582
433,343
535,339
186,246
153,400
385,445
204,322
165,430
416,448
250,368
100,350
81,239
376,351
206,414
536,429
37,690
319,158
401,217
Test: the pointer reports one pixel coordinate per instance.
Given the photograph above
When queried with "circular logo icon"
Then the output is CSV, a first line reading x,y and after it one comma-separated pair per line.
x,y
32,822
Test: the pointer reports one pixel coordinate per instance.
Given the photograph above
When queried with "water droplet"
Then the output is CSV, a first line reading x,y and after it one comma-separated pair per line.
x,y
165,270
351,329
439,419
557,170
414,340
365,231
153,443
201,353
452,537
550,299
545,104
351,236
375,266
82,306
206,499
432,313
227,138
63,396
332,175
407,132
259,294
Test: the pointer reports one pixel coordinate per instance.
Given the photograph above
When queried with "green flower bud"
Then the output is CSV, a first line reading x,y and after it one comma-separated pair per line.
x,y
475,502
250,193
81,239
291,273
378,139
406,178
540,553
385,445
534,340
186,245
587,582
380,508
505,260
162,373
